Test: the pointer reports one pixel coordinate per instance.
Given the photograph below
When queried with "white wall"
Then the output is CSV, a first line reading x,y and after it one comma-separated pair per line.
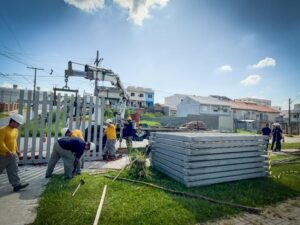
x,y
254,115
174,100
188,106
226,123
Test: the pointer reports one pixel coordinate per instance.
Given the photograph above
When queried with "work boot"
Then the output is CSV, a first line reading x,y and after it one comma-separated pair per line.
x,y
20,186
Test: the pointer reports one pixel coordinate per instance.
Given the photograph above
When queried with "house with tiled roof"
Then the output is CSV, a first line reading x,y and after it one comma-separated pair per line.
x,y
243,110
196,105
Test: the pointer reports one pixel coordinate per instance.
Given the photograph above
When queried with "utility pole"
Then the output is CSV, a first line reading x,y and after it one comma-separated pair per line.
x,y
34,83
97,61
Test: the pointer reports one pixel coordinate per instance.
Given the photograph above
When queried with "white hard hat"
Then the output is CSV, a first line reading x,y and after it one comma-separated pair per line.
x,y
64,131
18,118
108,121
92,146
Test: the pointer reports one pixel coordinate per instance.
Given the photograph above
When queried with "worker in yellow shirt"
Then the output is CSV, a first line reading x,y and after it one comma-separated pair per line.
x,y
75,134
9,153
111,137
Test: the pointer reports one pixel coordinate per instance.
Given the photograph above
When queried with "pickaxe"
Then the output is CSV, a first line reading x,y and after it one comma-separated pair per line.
x,y
80,183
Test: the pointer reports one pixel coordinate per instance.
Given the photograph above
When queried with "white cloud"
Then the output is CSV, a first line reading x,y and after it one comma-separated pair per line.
x,y
251,80
225,68
87,5
265,63
7,85
139,9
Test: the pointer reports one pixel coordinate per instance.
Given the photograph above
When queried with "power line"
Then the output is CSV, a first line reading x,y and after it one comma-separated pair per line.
x,y
12,58
6,76
11,31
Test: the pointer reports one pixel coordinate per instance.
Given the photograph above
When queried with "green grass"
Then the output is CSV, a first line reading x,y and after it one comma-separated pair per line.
x,y
128,203
290,145
241,131
3,115
150,123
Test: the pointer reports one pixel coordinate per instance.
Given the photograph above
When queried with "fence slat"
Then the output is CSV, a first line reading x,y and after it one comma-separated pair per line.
x,y
71,113
35,125
96,126
57,117
78,112
49,135
64,111
101,124
20,111
43,118
27,126
83,115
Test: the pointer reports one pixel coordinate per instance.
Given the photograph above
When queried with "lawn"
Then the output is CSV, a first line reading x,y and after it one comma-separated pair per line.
x,y
128,203
295,145
3,115
150,123
241,131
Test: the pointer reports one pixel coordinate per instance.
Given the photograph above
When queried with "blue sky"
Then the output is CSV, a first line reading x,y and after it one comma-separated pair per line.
x,y
236,48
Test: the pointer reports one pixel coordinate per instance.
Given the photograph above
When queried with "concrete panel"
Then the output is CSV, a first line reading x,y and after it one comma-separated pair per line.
x,y
206,144
206,158
195,158
221,162
203,151
210,181
206,136
209,175
225,179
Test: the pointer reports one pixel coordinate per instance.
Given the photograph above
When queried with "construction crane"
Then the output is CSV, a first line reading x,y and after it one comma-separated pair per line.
x,y
102,74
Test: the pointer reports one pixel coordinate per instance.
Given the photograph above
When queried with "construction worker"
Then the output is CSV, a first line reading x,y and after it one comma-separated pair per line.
x,y
277,137
75,134
128,132
70,150
266,131
110,145
9,153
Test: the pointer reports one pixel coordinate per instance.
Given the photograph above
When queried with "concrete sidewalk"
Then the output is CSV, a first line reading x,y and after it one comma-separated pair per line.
x,y
19,208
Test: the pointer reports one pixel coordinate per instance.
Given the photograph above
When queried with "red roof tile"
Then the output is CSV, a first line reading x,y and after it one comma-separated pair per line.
x,y
251,106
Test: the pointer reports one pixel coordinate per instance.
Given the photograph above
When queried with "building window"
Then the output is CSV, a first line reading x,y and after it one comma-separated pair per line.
x,y
150,96
216,109
141,95
132,94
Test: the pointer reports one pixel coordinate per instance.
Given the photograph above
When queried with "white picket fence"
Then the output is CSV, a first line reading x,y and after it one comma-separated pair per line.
x,y
42,116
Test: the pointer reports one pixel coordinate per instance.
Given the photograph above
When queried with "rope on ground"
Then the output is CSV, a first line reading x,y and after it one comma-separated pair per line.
x,y
192,195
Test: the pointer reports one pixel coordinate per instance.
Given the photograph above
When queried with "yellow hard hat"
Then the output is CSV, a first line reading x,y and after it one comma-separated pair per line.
x,y
129,118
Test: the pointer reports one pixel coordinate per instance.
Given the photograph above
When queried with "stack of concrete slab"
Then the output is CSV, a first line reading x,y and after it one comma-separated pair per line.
x,y
196,159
